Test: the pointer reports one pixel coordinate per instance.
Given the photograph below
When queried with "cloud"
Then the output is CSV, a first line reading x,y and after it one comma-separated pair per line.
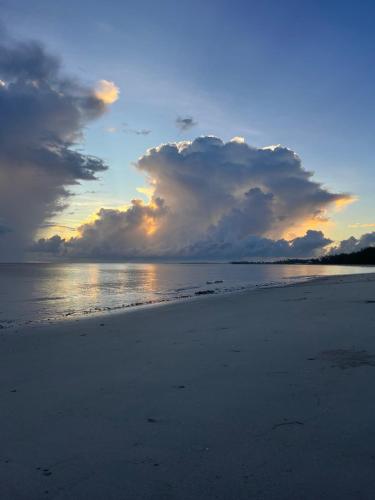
x,y
142,131
56,224
353,244
133,228
361,225
53,245
309,244
185,123
4,229
252,246
239,139
43,115
216,200
107,91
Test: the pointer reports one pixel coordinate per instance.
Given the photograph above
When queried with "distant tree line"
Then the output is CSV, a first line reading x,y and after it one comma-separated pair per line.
x,y
365,257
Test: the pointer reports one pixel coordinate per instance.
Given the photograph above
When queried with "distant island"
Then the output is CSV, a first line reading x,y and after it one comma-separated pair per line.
x,y
365,257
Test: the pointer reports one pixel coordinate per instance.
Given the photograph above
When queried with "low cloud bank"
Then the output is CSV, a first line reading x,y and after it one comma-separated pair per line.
x,y
211,199
353,244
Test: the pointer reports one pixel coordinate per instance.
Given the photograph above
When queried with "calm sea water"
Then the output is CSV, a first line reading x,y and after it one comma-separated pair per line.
x,y
31,293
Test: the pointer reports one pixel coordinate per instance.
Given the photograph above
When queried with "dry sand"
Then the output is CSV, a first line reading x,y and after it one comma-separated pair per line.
x,y
260,395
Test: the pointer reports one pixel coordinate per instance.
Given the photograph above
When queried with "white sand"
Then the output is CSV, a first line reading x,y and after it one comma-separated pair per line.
x,y
211,399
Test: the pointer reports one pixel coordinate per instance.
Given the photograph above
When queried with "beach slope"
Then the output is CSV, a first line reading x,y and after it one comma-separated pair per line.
x,y
266,394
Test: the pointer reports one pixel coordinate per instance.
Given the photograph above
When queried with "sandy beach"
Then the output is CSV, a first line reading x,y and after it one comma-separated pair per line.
x,y
266,394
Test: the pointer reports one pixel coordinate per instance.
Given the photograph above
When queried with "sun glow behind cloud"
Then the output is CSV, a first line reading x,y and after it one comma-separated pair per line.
x,y
344,202
211,199
238,139
148,192
201,195
322,221
107,91
316,223
150,226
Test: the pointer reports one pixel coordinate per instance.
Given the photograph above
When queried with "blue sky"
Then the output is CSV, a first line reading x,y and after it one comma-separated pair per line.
x,y
298,73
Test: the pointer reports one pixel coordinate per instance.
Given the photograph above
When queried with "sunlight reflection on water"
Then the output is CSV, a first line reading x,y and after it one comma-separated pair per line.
x,y
43,292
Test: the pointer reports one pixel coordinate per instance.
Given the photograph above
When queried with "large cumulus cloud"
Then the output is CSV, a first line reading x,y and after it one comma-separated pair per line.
x,y
210,184
42,114
216,200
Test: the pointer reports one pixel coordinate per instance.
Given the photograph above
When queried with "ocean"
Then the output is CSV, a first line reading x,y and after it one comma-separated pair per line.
x,y
41,293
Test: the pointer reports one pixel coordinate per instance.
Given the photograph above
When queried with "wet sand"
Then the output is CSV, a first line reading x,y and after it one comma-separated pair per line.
x,y
266,394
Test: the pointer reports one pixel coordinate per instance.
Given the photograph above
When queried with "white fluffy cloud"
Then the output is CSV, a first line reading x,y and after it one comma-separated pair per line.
x,y
216,200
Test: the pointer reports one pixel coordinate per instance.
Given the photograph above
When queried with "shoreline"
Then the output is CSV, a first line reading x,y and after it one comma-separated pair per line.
x,y
126,308
263,394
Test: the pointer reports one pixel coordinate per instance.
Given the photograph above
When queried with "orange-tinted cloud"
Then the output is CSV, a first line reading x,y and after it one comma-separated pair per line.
x,y
107,91
212,199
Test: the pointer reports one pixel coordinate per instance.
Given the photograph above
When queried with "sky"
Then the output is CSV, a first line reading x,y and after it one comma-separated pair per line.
x,y
295,73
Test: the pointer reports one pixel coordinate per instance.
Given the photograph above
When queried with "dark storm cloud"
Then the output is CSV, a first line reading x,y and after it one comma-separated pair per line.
x,y
185,123
53,245
27,60
43,114
213,200
4,229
